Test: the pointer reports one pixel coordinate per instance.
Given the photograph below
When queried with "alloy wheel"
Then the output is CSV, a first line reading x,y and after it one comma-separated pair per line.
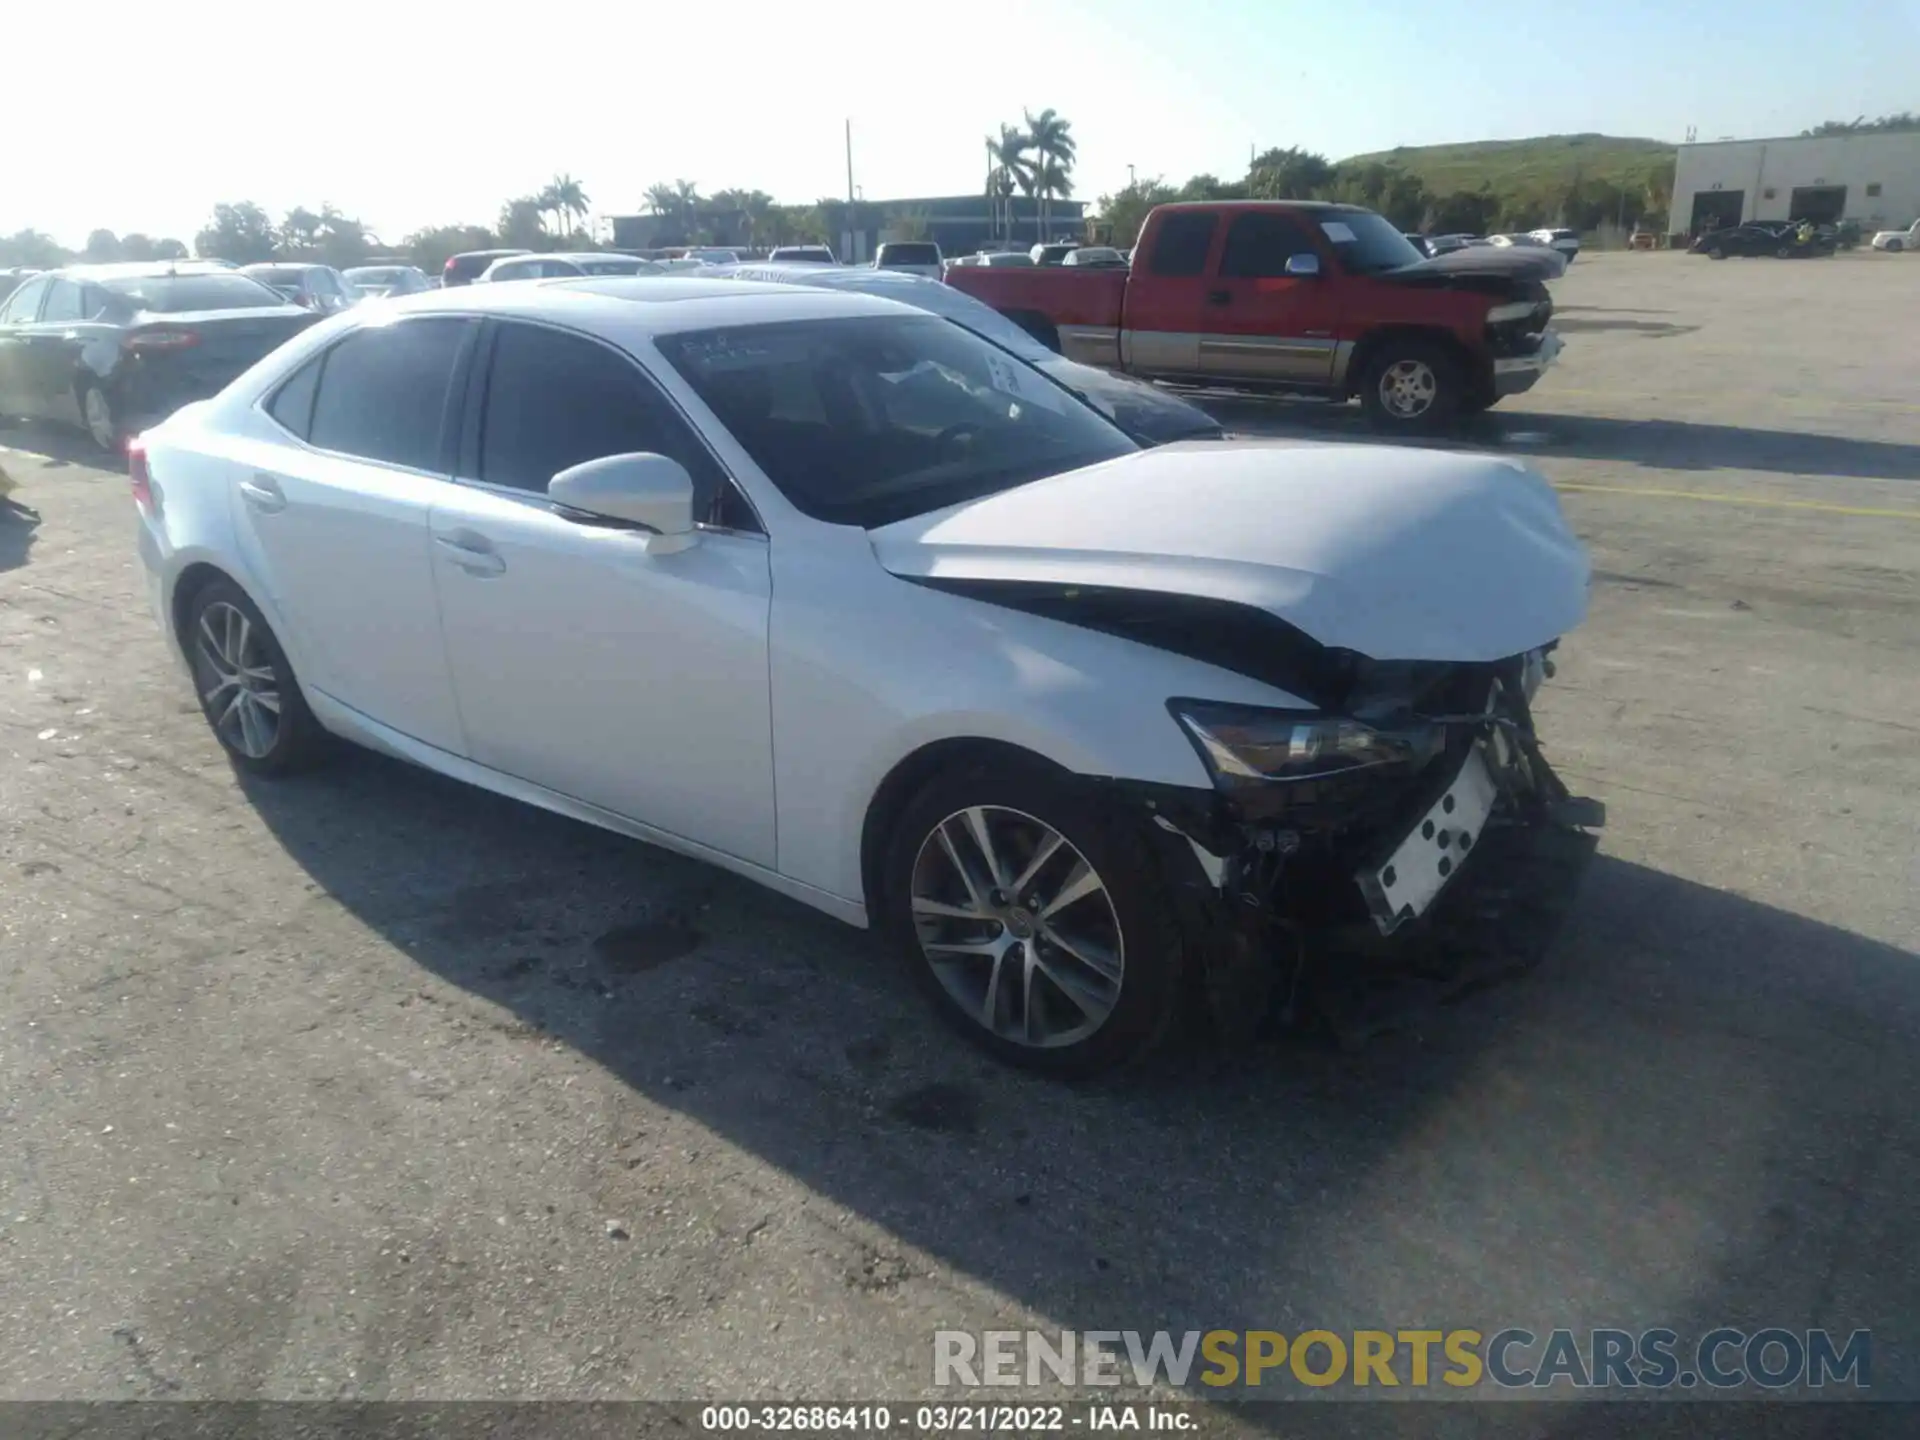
x,y
99,417
1017,926
1408,389
239,686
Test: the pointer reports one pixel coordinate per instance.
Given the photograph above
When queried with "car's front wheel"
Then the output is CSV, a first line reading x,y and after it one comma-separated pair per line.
x,y
1034,919
1716,253
1895,246
247,689
1412,386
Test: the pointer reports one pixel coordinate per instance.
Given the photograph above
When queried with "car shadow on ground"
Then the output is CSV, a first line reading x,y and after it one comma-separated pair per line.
x,y
58,446
1657,444
1675,1120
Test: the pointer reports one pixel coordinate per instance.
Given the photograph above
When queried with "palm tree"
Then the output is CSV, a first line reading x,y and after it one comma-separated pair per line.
x,y
567,198
1007,168
662,199
549,204
1050,138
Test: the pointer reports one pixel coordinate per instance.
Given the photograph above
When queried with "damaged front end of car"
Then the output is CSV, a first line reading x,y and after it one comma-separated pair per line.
x,y
1356,862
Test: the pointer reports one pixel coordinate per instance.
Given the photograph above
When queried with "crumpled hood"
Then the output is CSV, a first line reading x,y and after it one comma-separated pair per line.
x,y
1394,553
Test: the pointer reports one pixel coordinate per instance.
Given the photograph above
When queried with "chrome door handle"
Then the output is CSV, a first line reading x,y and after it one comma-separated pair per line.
x,y
473,554
263,493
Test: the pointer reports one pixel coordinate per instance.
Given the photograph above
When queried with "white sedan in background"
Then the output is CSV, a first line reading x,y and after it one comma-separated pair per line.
x,y
837,595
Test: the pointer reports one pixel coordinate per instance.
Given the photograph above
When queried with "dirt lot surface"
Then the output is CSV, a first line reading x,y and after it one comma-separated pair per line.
x,y
370,1085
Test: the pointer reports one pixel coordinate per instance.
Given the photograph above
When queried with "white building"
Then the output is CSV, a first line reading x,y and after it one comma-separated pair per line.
x,y
1872,177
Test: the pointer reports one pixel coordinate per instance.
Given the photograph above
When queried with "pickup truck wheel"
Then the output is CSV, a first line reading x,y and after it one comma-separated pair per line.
x,y
1895,246
1412,386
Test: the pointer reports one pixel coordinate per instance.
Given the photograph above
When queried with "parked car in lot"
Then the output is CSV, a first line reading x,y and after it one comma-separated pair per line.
x,y
998,260
910,257
112,348
1567,242
1051,254
470,265
1781,239
710,255
555,267
1148,414
319,288
883,621
1100,256
1298,296
802,254
379,282
1897,240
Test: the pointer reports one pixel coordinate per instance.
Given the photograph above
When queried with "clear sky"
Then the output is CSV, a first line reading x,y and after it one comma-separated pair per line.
x,y
408,114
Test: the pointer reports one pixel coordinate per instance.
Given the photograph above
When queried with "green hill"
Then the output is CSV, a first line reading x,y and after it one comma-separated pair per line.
x,y
1544,164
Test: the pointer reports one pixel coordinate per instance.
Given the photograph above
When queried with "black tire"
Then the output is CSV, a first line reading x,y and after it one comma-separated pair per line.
x,y
1894,247
298,742
1441,365
1716,253
1115,849
1785,252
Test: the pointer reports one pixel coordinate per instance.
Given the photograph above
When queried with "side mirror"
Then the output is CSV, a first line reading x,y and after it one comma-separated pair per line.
x,y
651,492
1303,264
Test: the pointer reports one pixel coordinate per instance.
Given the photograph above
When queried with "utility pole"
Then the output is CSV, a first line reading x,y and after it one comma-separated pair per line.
x,y
848,245
1130,179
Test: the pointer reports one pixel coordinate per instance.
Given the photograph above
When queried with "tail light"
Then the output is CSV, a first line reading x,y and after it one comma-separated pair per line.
x,y
159,338
139,476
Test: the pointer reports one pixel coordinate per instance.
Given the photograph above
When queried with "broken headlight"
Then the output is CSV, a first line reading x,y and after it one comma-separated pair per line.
x,y
1247,745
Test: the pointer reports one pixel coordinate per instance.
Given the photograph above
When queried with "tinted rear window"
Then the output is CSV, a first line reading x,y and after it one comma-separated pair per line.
x,y
383,392
911,253
172,294
287,275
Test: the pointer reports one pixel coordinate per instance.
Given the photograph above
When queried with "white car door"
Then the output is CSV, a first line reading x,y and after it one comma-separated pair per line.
x,y
334,520
634,682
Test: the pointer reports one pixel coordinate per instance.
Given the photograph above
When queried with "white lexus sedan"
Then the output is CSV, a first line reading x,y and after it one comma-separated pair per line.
x,y
841,597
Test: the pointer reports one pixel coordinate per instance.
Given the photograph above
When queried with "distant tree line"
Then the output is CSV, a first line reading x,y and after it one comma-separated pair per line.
x,y
1580,202
1860,125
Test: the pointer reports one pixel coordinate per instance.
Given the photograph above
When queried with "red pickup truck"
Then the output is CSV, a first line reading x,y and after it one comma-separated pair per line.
x,y
1296,296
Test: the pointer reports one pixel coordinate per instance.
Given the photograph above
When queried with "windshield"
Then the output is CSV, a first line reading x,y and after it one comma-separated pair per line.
x,y
377,275
279,275
870,419
803,252
177,294
1367,243
909,253
616,267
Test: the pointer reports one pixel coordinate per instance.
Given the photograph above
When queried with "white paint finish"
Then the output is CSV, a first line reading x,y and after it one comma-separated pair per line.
x,y
341,546
741,700
635,682
869,668
1396,553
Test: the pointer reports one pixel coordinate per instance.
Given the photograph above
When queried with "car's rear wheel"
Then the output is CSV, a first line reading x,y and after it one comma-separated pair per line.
x,y
1716,252
103,425
1412,386
1035,920
247,689
1785,252
1896,246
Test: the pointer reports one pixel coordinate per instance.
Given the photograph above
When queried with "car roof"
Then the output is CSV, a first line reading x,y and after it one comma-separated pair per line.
x,y
1334,205
654,304
283,265
141,269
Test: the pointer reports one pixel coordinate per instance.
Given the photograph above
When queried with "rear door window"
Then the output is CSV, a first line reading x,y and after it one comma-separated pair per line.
x,y
383,392
556,400
1180,246
1259,244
